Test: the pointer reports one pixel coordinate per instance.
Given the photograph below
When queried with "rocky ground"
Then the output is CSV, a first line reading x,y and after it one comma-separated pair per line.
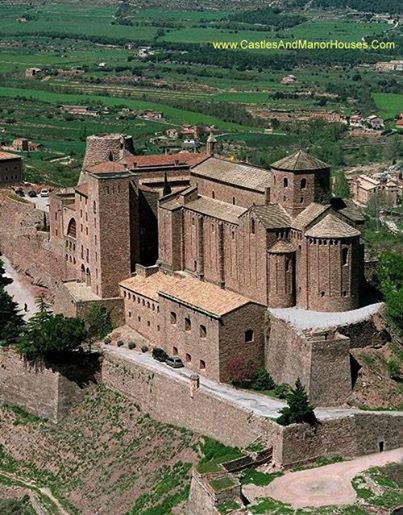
x,y
105,457
377,385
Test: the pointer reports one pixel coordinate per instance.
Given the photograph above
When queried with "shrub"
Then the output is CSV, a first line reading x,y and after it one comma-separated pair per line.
x,y
394,369
159,354
107,340
131,345
281,390
298,410
144,348
120,343
262,380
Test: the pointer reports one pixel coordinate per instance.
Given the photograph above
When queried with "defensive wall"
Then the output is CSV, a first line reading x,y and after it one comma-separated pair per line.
x,y
38,390
172,400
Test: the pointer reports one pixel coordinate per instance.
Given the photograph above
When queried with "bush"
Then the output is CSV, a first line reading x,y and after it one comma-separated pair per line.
x,y
281,390
394,369
120,343
144,348
262,380
107,340
131,345
159,354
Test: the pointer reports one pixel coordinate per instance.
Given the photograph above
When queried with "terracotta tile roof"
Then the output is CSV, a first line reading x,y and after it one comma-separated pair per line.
x,y
161,160
216,209
7,155
332,227
82,189
204,296
148,286
299,161
272,216
308,215
107,167
281,247
239,174
348,209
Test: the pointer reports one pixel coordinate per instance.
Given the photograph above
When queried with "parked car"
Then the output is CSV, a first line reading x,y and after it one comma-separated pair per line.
x,y
174,362
32,193
44,192
20,192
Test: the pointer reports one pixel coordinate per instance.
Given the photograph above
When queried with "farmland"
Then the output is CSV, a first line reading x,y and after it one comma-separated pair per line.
x,y
90,55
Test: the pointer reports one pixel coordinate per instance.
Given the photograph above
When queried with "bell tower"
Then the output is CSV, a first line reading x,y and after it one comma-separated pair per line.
x,y
299,180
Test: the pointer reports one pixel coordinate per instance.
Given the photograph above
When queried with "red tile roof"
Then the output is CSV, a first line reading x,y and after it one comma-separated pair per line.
x,y
181,158
106,167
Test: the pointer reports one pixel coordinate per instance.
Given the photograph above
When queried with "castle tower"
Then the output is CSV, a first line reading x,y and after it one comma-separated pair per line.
x,y
299,180
211,144
106,147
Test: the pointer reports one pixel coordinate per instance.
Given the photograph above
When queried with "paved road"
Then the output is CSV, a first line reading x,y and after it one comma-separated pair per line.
x,y
259,404
21,289
41,203
321,486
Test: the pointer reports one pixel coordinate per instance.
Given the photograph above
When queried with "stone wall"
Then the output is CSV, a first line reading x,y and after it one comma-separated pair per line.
x,y
40,391
168,399
320,360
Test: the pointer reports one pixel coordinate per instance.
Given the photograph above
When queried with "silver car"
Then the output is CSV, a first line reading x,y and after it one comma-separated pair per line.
x,y
174,362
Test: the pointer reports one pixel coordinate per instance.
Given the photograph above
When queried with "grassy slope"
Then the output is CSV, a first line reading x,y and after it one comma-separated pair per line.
x,y
106,456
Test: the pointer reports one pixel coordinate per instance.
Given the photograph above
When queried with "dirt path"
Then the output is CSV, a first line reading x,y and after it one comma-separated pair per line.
x,y
321,486
34,487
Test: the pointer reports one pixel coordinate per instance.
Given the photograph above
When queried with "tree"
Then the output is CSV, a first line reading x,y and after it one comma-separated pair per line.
x,y
393,148
11,321
46,334
341,187
298,410
4,281
98,322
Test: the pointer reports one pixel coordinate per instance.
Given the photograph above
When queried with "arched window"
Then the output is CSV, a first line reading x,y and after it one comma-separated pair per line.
x,y
188,324
203,331
345,256
285,182
303,184
82,273
88,277
253,226
173,318
72,228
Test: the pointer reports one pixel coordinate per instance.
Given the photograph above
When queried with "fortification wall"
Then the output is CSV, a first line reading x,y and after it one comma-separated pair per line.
x,y
320,360
28,248
40,391
168,399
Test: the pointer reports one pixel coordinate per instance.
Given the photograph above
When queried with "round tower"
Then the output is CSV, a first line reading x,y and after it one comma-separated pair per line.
x,y
104,147
299,180
211,144
333,265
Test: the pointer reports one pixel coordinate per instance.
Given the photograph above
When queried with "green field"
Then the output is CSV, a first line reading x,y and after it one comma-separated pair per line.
x,y
390,104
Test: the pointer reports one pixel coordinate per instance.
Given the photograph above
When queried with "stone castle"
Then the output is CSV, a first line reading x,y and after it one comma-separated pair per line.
x,y
191,249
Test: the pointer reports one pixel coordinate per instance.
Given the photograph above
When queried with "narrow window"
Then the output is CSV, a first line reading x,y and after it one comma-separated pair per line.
x,y
173,318
202,365
188,358
253,226
233,200
285,182
175,351
345,256
212,194
303,184
203,331
188,324
249,336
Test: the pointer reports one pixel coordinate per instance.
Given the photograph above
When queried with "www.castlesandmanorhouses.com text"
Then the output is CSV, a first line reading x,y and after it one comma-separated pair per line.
x,y
303,44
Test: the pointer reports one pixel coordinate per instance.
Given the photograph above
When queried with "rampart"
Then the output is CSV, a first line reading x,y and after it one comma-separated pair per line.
x,y
170,399
39,390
